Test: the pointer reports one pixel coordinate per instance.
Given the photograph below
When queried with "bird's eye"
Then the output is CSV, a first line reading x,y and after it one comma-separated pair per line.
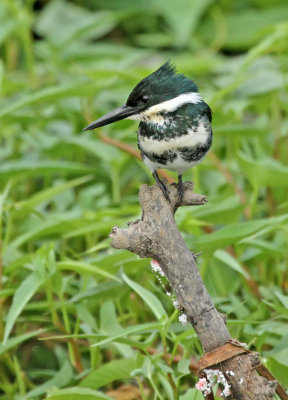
x,y
145,99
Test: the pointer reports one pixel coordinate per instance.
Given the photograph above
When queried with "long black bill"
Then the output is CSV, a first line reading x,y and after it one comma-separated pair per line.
x,y
113,116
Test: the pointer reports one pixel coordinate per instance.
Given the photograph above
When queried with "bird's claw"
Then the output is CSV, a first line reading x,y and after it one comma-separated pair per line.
x,y
162,186
181,192
180,189
165,191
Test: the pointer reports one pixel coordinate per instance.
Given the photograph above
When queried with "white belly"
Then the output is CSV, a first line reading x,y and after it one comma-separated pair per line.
x,y
178,165
191,140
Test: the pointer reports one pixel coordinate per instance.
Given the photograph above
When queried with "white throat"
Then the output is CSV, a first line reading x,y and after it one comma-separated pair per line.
x,y
152,113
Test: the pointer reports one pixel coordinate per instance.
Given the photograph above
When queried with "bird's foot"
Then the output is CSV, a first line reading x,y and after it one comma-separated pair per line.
x,y
164,190
181,192
180,189
162,186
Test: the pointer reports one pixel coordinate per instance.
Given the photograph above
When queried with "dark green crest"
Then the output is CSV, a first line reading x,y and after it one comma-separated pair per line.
x,y
163,84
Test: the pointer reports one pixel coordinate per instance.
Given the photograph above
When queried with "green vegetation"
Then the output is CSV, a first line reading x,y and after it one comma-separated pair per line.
x,y
62,190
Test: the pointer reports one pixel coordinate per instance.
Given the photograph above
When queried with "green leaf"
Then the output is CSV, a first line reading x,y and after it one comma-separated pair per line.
x,y
132,343
108,288
283,299
40,168
277,307
282,357
76,393
192,394
62,378
62,22
278,366
40,230
14,341
230,234
90,227
227,210
22,295
235,232
264,172
149,298
109,319
186,11
112,371
230,261
50,93
265,246
149,326
6,292
240,130
49,193
183,366
82,267
94,146
255,20
261,81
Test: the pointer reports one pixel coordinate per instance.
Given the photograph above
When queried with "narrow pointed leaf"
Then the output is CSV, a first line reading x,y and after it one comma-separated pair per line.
x,y
149,298
22,295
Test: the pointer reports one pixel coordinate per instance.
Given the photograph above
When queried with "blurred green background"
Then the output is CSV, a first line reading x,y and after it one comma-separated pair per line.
x,y
80,320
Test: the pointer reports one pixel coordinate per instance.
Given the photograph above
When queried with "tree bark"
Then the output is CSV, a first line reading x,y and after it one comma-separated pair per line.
x,y
156,235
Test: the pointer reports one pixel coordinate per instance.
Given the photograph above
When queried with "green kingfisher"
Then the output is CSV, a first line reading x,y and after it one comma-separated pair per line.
x,y
175,123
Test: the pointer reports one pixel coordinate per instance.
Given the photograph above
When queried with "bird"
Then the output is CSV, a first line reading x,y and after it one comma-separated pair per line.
x,y
175,130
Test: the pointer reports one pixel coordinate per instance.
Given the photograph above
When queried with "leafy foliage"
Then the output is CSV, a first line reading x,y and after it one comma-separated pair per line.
x,y
75,325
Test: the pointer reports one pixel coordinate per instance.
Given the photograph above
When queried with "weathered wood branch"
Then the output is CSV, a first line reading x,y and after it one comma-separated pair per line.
x,y
156,235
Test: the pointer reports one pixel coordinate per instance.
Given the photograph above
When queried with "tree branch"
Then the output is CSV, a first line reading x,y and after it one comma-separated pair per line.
x,y
156,235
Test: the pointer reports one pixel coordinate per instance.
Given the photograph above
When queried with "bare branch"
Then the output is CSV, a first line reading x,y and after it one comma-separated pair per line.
x,y
156,235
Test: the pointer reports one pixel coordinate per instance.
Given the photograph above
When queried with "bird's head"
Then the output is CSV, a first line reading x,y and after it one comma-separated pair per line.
x,y
162,91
